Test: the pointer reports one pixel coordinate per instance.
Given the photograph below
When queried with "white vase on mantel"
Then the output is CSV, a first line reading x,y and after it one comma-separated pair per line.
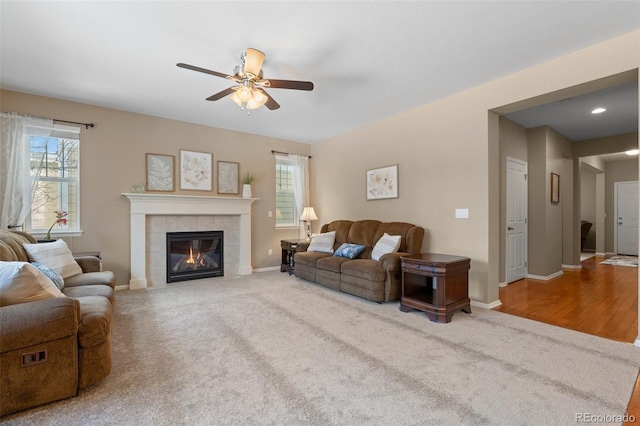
x,y
246,190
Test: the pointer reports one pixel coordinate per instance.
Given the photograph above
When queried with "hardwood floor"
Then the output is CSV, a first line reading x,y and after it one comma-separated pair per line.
x,y
598,299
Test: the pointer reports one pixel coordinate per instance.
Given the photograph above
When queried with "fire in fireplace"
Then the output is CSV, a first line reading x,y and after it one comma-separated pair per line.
x,y
194,255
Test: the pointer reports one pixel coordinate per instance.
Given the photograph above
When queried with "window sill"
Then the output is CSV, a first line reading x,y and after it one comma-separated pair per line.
x,y
286,227
70,234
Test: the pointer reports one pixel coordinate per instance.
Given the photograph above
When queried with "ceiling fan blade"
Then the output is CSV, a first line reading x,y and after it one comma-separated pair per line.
x,y
291,84
271,103
220,95
253,60
204,70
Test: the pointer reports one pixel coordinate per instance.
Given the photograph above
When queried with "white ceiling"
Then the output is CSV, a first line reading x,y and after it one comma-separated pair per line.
x,y
368,60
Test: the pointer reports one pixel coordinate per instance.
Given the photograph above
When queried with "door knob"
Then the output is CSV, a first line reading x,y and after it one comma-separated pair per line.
x,y
510,228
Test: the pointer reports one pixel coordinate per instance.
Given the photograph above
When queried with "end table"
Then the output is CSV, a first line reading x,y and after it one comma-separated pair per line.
x,y
288,250
437,284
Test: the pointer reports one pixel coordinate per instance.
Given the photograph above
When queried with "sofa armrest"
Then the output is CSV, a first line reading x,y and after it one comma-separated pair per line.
x,y
88,263
28,324
391,261
302,246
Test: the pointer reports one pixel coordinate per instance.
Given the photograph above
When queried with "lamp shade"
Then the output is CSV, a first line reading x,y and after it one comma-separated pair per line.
x,y
308,214
253,61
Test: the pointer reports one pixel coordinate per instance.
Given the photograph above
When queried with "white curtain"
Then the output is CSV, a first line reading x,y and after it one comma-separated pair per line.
x,y
15,181
300,186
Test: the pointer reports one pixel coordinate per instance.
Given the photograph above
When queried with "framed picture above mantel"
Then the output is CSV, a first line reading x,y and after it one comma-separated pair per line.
x,y
196,170
228,177
160,172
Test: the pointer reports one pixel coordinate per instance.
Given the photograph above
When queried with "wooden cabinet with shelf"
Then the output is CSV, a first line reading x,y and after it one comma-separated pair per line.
x,y
437,284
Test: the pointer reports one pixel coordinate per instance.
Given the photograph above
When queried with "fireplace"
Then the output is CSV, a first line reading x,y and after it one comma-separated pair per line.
x,y
194,255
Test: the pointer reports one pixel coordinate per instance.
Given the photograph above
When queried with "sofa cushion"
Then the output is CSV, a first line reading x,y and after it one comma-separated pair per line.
x,y
309,258
350,251
21,282
51,274
364,268
341,228
402,229
331,263
55,255
386,244
12,247
90,290
322,243
91,278
363,232
95,322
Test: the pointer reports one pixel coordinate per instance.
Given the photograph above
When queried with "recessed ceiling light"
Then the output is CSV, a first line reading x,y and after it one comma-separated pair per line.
x,y
632,152
598,111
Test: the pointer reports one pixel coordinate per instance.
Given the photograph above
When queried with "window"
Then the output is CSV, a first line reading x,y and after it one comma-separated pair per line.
x,y
286,211
55,177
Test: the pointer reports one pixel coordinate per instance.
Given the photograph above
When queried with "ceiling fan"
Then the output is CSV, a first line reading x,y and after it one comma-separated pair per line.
x,y
249,92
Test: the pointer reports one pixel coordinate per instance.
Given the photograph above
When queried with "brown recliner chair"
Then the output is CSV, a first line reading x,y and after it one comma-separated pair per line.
x,y
585,227
51,348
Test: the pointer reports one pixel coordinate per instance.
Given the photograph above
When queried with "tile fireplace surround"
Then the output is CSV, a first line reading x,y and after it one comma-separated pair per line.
x,y
232,212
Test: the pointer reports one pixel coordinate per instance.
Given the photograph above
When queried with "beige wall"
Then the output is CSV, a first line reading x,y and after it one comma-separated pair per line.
x,y
513,143
448,156
588,204
113,157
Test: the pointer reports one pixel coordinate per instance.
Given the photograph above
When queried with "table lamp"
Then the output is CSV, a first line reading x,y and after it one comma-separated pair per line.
x,y
308,214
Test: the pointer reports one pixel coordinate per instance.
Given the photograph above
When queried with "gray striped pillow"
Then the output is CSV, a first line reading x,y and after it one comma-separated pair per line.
x,y
386,244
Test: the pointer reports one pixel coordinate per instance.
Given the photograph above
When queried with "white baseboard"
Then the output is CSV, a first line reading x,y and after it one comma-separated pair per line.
x,y
600,254
122,287
637,342
503,284
571,266
547,278
269,269
482,305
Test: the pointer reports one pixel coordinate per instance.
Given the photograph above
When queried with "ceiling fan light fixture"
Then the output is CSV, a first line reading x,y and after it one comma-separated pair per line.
x,y
253,61
245,93
235,98
257,100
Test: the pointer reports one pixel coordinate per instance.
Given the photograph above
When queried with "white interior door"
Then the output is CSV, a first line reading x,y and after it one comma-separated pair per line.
x,y
627,218
516,247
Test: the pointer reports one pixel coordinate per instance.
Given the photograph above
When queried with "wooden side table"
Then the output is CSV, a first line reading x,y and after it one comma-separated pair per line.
x,y
437,284
288,250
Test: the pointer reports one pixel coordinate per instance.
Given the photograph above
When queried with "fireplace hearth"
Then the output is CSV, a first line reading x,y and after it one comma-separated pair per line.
x,y
194,255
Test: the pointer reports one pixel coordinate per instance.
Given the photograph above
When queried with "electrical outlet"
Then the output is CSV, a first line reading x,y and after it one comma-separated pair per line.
x,y
270,252
270,213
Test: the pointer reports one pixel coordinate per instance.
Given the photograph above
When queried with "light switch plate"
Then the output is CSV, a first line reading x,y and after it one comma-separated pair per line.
x,y
462,213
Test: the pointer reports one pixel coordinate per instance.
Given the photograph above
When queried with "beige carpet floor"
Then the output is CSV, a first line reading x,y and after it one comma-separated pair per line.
x,y
270,349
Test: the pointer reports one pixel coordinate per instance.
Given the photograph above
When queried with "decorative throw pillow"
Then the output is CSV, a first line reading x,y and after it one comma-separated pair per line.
x,y
386,244
322,242
21,282
350,251
51,274
55,255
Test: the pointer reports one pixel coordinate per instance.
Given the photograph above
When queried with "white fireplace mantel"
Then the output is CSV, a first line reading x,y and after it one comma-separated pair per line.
x,y
163,204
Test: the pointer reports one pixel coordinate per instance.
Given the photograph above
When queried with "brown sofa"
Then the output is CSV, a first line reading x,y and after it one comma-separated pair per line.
x,y
378,281
65,342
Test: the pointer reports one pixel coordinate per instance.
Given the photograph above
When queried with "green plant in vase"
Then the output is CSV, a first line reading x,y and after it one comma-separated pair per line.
x,y
247,178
